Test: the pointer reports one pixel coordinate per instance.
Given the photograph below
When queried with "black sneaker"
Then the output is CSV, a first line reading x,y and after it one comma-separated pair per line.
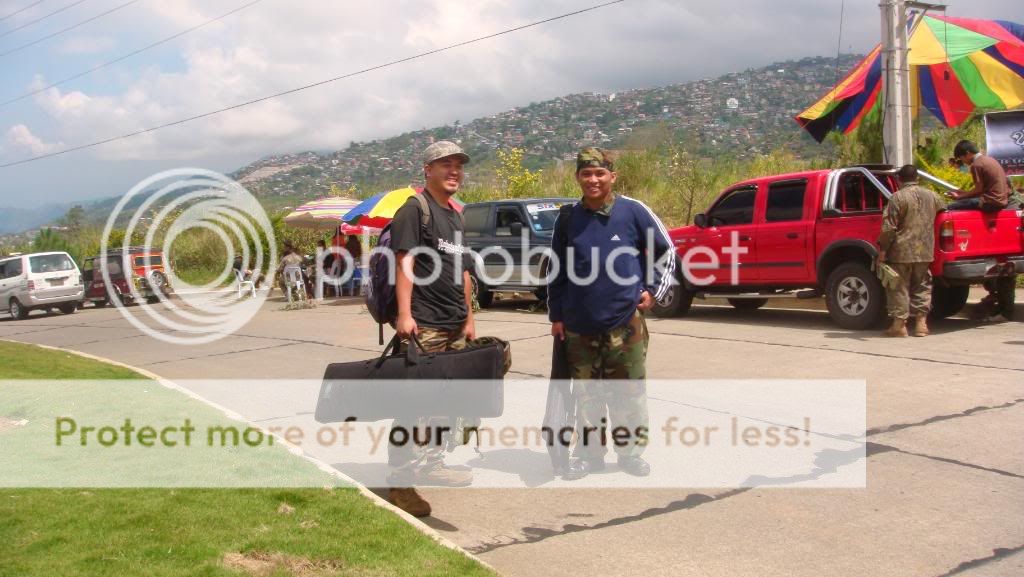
x,y
635,466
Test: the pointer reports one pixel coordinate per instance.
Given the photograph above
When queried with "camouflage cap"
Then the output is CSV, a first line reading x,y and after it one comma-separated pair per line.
x,y
593,157
443,149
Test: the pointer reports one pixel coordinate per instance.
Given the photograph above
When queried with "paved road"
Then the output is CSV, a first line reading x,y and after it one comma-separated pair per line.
x,y
945,462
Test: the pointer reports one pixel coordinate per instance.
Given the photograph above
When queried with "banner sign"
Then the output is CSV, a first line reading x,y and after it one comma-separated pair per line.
x,y
1004,139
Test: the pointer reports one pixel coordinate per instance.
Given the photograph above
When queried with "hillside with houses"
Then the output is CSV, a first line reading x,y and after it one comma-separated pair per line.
x,y
739,115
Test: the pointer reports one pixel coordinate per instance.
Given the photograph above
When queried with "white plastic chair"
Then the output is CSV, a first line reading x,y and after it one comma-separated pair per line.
x,y
331,274
293,281
244,285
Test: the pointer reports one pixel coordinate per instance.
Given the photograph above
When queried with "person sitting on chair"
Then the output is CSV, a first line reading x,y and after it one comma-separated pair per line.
x,y
246,273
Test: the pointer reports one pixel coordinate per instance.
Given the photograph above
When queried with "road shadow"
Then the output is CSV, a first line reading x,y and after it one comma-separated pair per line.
x,y
532,467
794,318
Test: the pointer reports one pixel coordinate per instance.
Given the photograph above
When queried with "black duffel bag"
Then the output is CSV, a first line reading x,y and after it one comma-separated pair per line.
x,y
467,383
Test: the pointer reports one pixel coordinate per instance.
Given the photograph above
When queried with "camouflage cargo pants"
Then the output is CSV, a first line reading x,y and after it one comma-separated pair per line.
x,y
404,460
609,372
913,296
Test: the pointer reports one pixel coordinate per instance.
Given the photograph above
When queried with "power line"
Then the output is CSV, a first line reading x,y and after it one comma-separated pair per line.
x,y
41,18
20,10
130,54
69,28
313,85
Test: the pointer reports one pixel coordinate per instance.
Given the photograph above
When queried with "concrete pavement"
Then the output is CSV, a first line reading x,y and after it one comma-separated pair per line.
x,y
945,465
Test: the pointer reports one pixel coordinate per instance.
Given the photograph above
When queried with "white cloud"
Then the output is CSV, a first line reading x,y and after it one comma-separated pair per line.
x,y
276,45
86,45
21,140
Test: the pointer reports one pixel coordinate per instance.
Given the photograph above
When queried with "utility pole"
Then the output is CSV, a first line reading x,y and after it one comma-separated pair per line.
x,y
897,125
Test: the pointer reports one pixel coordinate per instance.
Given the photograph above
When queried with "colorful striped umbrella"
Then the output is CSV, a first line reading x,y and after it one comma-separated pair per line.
x,y
957,66
321,214
378,210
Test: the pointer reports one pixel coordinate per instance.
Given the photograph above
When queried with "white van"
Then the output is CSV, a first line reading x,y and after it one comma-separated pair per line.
x,y
43,280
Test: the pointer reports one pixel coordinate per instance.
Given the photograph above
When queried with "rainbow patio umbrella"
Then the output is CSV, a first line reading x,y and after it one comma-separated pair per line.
x,y
321,214
957,66
378,210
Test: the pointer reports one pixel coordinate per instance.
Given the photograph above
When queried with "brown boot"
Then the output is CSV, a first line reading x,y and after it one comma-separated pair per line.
x,y
898,328
441,476
408,500
920,326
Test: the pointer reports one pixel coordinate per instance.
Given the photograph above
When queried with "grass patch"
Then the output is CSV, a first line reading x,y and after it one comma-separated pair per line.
x,y
19,361
165,533
308,532
202,276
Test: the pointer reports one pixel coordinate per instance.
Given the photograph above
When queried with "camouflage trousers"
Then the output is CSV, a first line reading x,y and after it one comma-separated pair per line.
x,y
913,296
609,372
404,460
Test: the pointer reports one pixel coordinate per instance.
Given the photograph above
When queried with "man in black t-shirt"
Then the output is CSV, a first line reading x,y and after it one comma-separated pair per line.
x,y
432,287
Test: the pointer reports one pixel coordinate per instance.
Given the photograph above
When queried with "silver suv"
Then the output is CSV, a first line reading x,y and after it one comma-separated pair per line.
x,y
44,280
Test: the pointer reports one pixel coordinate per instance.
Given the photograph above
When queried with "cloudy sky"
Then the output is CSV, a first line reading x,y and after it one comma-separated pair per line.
x,y
275,45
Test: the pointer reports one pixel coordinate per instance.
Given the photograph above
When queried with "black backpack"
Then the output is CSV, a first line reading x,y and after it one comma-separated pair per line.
x,y
381,299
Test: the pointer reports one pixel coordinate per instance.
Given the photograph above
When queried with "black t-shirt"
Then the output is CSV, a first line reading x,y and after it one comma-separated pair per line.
x,y
441,303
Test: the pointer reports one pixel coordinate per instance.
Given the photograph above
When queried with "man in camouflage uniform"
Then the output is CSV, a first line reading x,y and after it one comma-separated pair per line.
x,y
602,321
907,244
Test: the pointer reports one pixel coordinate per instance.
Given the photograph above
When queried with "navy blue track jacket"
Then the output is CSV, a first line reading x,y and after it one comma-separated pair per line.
x,y
599,247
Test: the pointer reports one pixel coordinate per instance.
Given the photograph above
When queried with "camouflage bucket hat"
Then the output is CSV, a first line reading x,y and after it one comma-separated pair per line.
x,y
592,156
443,149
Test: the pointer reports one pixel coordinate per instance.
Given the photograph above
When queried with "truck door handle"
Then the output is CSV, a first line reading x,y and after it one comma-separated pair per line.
x,y
744,237
792,235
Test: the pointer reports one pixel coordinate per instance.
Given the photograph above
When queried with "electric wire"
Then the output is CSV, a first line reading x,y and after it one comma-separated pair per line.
x,y
69,28
40,19
314,84
20,10
129,55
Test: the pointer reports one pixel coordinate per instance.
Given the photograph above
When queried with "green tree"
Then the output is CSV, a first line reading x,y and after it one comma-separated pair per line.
x,y
517,180
691,181
74,219
49,240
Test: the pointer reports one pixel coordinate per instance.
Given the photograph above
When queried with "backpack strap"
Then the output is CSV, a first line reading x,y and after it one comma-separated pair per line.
x,y
421,199
424,208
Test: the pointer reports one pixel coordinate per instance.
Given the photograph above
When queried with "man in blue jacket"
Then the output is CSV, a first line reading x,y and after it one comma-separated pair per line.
x,y
615,260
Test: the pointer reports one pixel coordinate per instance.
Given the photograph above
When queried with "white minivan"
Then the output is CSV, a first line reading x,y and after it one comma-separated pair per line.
x,y
43,280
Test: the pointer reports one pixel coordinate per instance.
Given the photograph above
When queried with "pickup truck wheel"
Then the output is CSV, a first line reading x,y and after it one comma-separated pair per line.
x,y
948,300
854,296
541,294
747,304
16,310
485,298
100,304
1007,295
676,303
69,308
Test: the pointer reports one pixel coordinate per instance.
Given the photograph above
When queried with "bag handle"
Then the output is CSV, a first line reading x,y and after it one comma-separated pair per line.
x,y
412,352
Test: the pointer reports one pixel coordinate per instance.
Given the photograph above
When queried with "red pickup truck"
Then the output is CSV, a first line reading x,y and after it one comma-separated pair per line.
x,y
813,234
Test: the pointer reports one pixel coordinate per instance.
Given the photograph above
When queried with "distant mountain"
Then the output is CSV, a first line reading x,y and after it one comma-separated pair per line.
x,y
15,220
738,115
18,220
